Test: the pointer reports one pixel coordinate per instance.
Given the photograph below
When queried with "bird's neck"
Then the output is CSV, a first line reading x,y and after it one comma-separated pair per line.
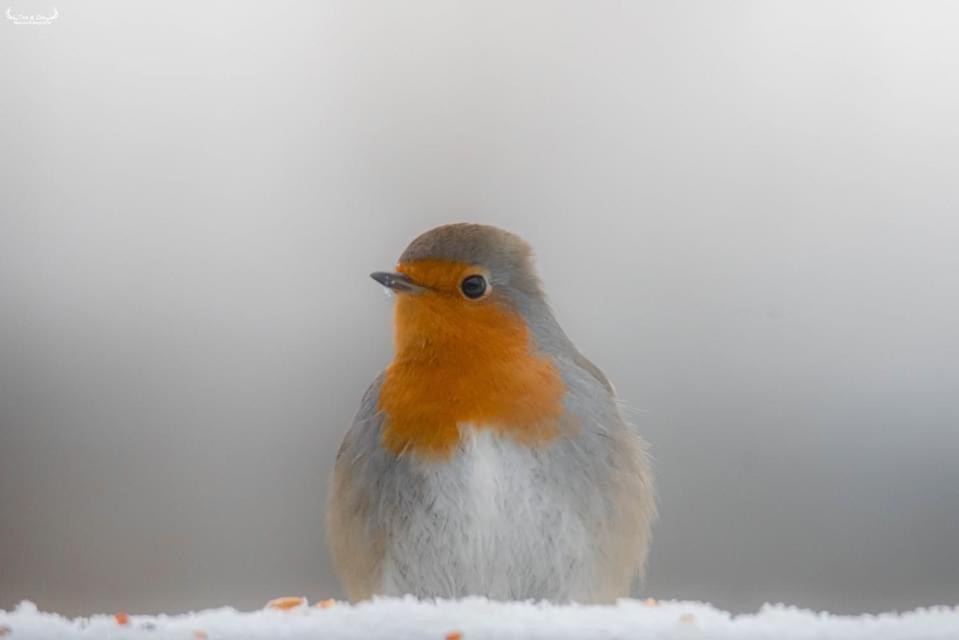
x,y
454,367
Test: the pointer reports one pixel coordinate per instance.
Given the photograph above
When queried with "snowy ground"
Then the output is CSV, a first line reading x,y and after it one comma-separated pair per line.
x,y
477,618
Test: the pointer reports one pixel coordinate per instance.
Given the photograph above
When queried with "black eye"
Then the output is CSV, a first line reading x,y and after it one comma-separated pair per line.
x,y
473,287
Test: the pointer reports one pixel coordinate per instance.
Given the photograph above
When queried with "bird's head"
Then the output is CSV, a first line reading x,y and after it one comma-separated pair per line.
x,y
470,284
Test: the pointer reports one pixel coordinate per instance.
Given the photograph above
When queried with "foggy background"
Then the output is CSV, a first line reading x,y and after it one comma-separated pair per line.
x,y
745,212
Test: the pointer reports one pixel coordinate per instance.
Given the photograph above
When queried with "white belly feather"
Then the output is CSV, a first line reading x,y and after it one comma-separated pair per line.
x,y
494,521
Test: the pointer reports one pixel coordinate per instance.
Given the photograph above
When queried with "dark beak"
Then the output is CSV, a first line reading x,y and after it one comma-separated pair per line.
x,y
396,281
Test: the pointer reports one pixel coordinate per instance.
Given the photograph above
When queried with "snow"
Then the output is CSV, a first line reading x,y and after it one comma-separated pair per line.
x,y
477,618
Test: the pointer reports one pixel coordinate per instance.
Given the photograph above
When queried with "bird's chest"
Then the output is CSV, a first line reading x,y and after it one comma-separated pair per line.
x,y
493,520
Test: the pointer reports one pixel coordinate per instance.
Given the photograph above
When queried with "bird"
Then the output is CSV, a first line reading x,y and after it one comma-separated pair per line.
x,y
490,458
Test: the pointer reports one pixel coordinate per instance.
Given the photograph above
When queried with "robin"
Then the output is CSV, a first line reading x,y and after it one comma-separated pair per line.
x,y
490,458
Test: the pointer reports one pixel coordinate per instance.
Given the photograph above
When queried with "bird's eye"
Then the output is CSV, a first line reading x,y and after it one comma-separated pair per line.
x,y
473,287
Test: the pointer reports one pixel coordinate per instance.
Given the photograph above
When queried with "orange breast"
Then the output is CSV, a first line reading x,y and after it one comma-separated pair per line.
x,y
462,361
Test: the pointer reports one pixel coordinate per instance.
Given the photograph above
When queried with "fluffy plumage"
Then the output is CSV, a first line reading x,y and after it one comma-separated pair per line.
x,y
490,458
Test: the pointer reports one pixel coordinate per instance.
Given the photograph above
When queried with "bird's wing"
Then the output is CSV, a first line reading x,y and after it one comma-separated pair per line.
x,y
612,455
632,491
355,543
587,364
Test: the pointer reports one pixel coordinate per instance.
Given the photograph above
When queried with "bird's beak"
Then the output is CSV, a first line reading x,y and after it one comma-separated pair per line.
x,y
398,282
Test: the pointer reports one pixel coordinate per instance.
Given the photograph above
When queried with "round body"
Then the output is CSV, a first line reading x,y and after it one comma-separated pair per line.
x,y
491,457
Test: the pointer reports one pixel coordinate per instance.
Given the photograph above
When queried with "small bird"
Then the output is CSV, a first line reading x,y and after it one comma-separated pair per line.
x,y
490,458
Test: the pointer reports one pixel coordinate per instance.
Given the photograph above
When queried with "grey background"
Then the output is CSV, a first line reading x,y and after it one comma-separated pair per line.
x,y
746,212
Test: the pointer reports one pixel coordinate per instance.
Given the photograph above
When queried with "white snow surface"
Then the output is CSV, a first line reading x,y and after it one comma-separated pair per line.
x,y
478,618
